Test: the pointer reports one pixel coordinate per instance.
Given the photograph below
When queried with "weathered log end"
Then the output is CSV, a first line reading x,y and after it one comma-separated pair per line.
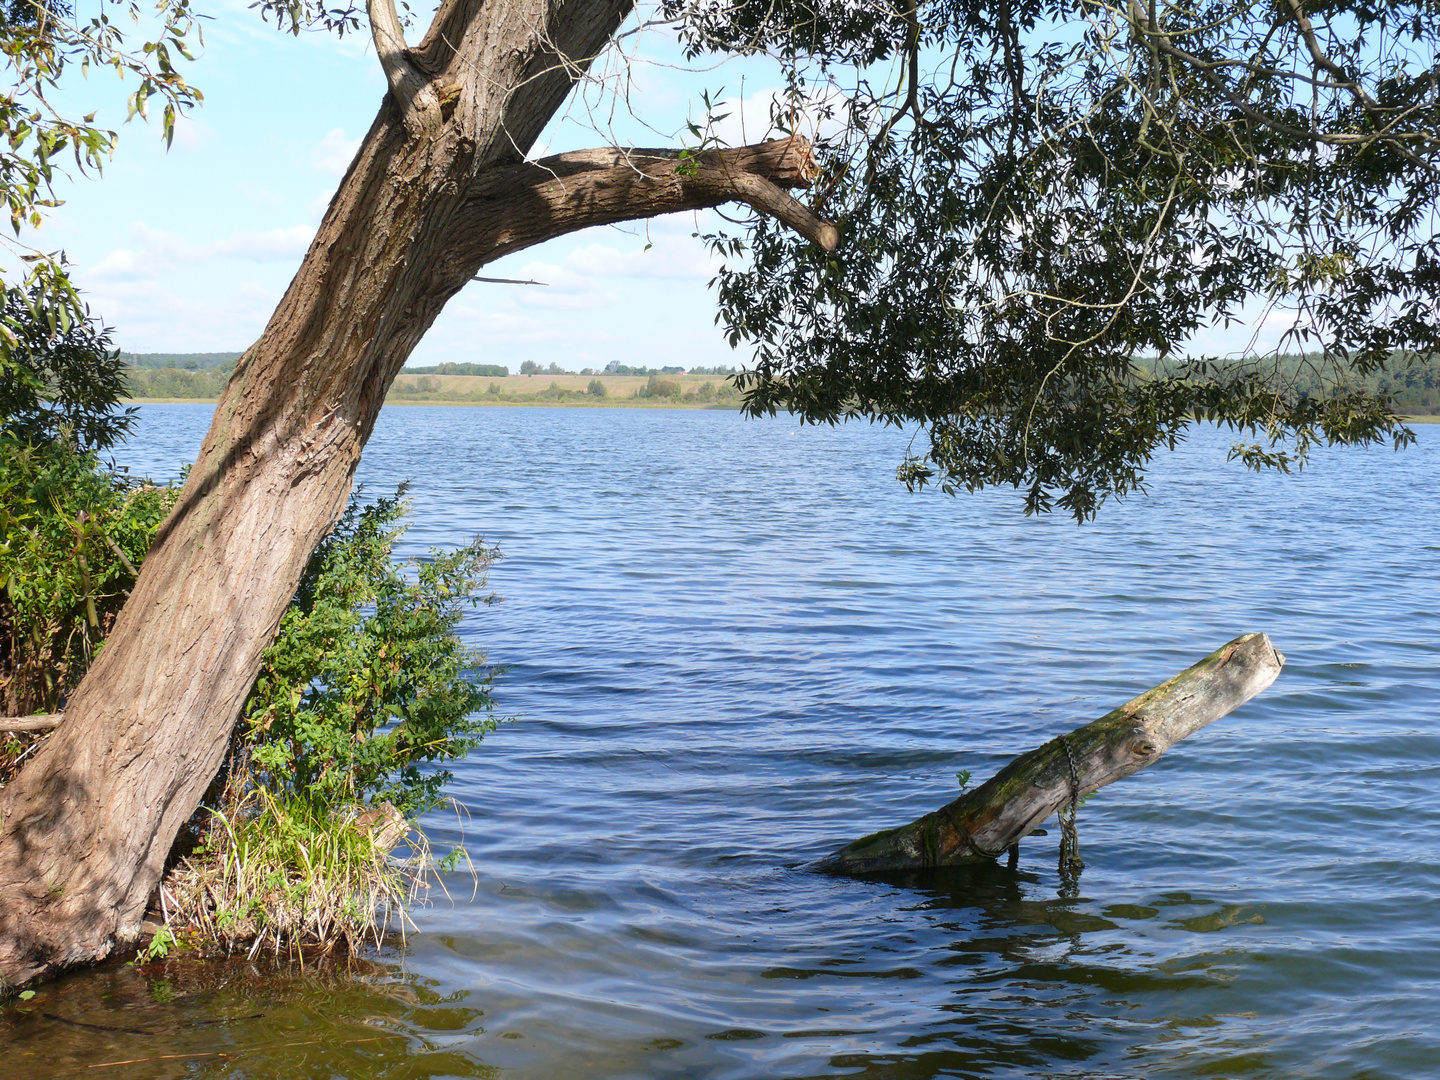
x,y
982,823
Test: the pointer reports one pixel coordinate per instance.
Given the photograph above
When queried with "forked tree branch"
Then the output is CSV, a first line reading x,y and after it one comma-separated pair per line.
x,y
415,97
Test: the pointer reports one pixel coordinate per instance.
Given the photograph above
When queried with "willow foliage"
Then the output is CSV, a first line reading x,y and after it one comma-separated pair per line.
x,y
1035,194
43,45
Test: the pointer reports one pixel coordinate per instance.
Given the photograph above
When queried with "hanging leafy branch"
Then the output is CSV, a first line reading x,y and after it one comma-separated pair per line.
x,y
40,41
1034,195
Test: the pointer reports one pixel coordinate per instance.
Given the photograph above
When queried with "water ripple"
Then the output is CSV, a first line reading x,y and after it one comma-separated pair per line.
x,y
734,645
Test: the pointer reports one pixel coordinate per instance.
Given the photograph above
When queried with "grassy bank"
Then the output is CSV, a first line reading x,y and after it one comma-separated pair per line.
x,y
626,391
582,391
587,391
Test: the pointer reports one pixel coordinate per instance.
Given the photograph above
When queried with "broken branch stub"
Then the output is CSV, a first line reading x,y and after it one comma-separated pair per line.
x,y
1022,796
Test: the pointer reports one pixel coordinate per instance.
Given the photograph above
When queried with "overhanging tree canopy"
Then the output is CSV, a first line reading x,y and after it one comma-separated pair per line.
x,y
1011,203
1046,192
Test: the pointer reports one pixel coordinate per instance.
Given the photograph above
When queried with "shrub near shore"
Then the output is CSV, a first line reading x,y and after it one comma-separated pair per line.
x,y
366,688
72,535
365,685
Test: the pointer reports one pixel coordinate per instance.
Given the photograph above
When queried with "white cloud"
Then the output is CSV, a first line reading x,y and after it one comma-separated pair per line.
x,y
155,251
564,288
191,133
333,154
155,317
268,246
122,264
669,256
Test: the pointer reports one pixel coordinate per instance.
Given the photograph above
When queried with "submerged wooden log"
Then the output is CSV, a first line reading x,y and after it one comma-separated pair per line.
x,y
982,823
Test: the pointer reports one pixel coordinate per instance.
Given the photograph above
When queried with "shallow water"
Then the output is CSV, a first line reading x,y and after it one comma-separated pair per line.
x,y
734,645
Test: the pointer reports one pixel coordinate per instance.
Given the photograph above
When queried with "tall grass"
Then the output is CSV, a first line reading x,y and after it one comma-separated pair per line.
x,y
289,873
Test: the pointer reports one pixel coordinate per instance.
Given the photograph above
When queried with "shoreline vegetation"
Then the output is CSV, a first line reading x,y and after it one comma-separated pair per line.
x,y
200,377
308,838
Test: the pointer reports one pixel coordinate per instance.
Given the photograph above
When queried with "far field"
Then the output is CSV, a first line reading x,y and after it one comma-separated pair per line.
x,y
1416,388
663,391
619,391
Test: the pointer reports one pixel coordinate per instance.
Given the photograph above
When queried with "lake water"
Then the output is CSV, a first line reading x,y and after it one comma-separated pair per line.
x,y
735,645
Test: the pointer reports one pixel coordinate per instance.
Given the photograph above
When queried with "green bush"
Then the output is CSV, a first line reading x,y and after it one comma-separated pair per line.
x,y
596,388
365,684
658,387
72,535
367,680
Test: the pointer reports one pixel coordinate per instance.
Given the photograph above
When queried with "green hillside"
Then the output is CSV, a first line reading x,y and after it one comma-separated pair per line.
x,y
204,361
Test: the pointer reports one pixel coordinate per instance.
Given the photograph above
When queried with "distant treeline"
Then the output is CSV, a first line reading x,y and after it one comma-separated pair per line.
x,y
493,371
614,368
177,382
658,390
202,361
533,367
1412,381
225,361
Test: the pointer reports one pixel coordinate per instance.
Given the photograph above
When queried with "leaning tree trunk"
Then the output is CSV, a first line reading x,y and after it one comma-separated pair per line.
x,y
984,822
438,188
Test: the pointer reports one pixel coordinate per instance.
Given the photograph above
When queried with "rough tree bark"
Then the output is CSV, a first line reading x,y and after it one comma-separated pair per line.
x,y
438,188
984,822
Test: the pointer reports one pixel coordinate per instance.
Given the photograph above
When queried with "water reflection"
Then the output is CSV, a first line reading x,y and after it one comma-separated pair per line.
x,y
978,971
229,1018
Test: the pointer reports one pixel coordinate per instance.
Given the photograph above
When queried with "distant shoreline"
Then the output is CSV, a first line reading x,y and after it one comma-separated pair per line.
x,y
620,403
687,391
602,403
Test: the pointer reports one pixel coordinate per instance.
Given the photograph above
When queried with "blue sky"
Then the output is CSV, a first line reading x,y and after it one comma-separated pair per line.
x,y
189,250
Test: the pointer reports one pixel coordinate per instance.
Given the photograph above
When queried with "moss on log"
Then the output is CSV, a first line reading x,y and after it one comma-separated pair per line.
x,y
982,823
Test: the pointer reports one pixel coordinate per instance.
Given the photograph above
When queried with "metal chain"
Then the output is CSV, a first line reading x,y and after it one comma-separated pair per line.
x,y
1070,862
